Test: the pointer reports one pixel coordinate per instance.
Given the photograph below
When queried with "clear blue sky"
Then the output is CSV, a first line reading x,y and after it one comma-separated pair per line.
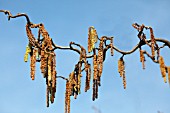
x,y
68,20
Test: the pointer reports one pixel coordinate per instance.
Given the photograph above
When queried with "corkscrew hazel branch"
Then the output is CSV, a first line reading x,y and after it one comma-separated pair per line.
x,y
18,15
143,41
166,42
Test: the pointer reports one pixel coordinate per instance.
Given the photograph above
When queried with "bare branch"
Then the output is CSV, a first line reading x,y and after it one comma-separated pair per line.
x,y
166,42
18,15
62,78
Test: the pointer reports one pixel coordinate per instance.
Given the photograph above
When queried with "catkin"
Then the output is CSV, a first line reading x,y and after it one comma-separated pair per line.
x,y
152,43
28,50
168,74
111,48
31,37
43,63
92,38
162,68
88,77
49,69
47,96
54,72
95,67
142,58
121,67
94,90
124,81
67,98
95,76
32,64
121,70
100,56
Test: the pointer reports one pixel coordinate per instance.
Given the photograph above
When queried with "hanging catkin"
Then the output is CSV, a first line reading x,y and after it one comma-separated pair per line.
x,y
121,67
43,63
162,68
95,67
28,51
124,81
32,64
54,72
72,82
152,43
111,48
94,90
31,37
121,70
67,98
168,74
49,69
92,38
95,76
88,76
142,58
47,96
100,56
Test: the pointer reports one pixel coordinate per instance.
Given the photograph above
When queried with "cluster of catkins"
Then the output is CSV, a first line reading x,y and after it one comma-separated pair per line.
x,y
98,59
73,84
40,50
154,48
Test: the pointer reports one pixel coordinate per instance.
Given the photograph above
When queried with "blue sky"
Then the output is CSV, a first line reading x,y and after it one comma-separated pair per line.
x,y
69,21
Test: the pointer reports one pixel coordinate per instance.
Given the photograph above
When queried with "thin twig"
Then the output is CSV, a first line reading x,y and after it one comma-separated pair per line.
x,y
62,78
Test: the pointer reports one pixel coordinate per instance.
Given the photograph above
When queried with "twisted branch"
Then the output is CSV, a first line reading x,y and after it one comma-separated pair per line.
x,y
70,47
18,15
51,46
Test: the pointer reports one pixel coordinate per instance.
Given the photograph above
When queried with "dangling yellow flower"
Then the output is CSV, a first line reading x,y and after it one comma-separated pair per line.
x,y
28,50
92,38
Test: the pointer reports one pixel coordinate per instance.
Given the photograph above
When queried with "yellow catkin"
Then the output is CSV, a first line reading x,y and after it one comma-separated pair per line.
x,y
28,50
92,38
162,68
168,74
142,58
